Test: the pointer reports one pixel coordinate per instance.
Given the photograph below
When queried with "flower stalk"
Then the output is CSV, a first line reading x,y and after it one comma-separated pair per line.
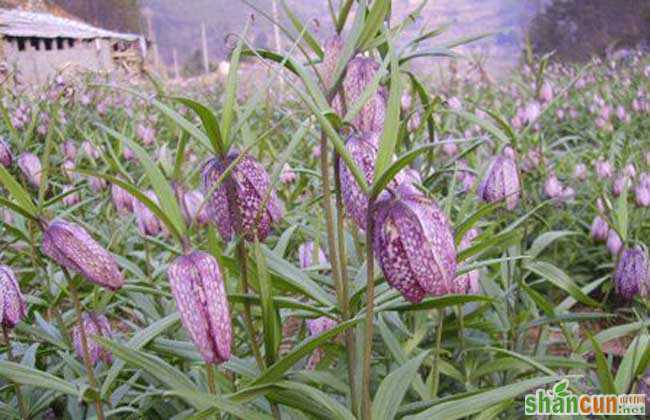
x,y
370,306
84,343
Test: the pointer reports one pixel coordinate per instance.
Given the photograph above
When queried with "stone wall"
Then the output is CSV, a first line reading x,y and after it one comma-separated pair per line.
x,y
37,65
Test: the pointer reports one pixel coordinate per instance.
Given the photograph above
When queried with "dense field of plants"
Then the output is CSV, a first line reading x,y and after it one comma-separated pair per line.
x,y
348,240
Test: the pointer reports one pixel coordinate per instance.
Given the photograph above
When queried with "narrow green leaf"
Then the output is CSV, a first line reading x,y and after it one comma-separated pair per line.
x,y
602,368
392,389
467,406
560,279
18,192
210,123
373,22
388,140
272,330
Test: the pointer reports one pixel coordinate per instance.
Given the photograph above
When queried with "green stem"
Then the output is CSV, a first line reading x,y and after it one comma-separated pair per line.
x,y
209,370
248,318
345,298
370,306
84,343
436,357
19,395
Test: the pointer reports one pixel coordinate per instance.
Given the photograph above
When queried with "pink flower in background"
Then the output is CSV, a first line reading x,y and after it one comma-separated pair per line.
x,y
580,172
603,169
614,243
629,170
454,103
546,92
288,175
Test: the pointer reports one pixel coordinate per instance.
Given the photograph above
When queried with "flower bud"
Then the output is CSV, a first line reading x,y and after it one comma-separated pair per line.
x,y
632,272
251,185
501,182
93,325
200,295
309,255
148,222
30,165
414,244
6,158
70,245
12,303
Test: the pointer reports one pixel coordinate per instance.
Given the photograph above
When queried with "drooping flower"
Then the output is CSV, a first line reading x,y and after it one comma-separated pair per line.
x,y
632,272
360,73
200,295
251,187
12,303
94,325
30,165
71,246
363,150
332,49
414,244
501,182
6,158
148,222
309,255
122,200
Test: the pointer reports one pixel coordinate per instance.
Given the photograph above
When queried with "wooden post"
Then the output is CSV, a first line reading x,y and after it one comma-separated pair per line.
x,y
204,47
